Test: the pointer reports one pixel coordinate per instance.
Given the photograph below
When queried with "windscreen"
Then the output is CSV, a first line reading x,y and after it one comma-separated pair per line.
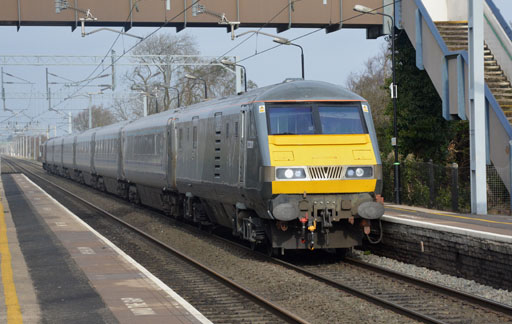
x,y
315,119
340,120
291,121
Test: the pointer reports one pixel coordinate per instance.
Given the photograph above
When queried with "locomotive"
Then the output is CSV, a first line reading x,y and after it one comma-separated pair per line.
x,y
294,165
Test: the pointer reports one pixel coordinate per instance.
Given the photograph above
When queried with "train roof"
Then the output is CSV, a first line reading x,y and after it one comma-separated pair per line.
x,y
112,128
290,90
305,90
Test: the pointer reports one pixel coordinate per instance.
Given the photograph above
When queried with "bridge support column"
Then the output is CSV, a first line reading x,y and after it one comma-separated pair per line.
x,y
477,122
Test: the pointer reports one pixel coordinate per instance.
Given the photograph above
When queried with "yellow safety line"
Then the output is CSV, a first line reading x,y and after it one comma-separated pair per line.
x,y
11,298
454,216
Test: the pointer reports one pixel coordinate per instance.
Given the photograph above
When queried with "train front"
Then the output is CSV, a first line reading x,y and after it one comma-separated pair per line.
x,y
324,166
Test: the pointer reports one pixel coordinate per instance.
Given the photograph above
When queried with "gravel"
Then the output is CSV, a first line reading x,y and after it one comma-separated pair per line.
x,y
464,285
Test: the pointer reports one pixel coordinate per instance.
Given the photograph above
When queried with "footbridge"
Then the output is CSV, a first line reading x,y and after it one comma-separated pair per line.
x,y
438,29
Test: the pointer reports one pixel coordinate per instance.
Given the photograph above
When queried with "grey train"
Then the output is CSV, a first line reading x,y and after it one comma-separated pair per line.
x,y
293,166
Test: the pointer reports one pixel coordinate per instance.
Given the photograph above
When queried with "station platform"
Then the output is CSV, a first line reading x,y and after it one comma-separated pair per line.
x,y
491,227
57,269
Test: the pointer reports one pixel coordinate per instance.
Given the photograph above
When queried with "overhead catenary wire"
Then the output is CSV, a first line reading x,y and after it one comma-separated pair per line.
x,y
130,49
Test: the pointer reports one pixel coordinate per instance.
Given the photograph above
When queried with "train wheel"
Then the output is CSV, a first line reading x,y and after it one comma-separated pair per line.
x,y
270,250
253,245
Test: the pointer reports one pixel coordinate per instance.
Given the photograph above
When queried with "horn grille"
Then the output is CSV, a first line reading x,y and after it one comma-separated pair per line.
x,y
325,172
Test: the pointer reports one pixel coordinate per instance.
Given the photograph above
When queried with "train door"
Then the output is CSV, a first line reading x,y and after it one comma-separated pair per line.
x,y
74,152
242,147
172,149
61,158
120,148
92,147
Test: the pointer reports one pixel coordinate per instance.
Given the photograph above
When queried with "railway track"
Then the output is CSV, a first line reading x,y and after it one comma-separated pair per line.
x,y
202,286
420,300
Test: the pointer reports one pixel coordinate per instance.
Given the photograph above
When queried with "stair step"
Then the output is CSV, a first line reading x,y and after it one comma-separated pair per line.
x,y
491,62
493,68
454,33
501,84
452,24
497,73
454,48
493,81
505,93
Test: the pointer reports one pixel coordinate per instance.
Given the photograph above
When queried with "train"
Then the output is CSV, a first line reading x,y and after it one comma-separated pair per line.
x,y
291,166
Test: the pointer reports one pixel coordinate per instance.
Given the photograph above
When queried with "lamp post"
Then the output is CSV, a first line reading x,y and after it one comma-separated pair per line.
x,y
393,87
228,62
284,41
188,76
279,40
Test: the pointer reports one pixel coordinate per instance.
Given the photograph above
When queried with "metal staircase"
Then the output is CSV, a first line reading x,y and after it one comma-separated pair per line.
x,y
455,36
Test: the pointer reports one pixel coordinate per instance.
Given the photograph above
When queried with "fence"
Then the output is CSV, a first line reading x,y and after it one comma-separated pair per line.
x,y
425,184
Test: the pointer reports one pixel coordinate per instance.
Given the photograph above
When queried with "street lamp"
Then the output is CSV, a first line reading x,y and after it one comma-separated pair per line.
x,y
188,76
393,87
279,40
284,41
228,62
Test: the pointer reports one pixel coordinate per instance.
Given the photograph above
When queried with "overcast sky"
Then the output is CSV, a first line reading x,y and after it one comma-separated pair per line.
x,y
328,57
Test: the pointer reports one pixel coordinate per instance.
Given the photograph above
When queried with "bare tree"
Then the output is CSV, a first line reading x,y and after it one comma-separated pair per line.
x,y
100,117
162,79
156,72
128,108
370,83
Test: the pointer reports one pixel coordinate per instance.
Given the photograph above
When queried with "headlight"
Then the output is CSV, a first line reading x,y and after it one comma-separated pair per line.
x,y
359,172
290,173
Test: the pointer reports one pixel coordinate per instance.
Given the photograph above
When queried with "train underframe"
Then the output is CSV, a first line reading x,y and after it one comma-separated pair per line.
x,y
294,222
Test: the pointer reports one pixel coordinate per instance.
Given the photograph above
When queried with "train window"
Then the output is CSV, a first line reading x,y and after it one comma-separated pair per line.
x,y
227,130
341,120
195,123
180,138
218,122
194,137
236,129
252,125
291,120
158,144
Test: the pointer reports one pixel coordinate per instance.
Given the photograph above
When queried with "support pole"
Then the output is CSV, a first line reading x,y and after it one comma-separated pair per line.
x,y
477,118
145,103
238,73
90,111
70,124
3,89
